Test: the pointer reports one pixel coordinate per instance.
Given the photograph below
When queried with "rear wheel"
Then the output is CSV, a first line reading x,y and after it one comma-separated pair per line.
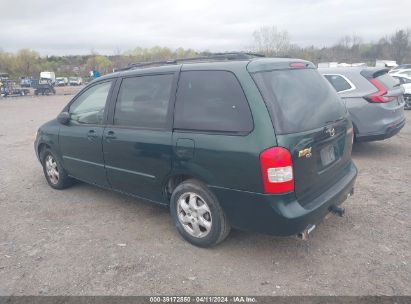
x,y
54,172
197,214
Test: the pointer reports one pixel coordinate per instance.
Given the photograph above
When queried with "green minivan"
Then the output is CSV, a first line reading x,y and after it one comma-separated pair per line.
x,y
225,141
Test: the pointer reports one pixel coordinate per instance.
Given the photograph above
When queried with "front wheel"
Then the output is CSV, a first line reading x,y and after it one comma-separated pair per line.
x,y
54,172
197,214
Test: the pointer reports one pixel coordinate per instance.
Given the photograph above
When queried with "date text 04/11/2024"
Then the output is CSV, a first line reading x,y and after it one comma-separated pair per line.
x,y
203,299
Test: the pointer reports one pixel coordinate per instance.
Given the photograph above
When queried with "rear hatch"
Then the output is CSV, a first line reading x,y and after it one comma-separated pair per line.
x,y
311,122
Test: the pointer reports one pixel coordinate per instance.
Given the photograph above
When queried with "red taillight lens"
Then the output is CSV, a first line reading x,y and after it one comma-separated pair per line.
x,y
277,170
379,96
298,65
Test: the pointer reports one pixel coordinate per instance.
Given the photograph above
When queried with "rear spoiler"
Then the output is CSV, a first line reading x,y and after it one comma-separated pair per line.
x,y
373,73
270,64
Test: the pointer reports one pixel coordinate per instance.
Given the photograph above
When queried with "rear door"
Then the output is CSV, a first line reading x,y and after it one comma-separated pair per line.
x,y
311,122
137,143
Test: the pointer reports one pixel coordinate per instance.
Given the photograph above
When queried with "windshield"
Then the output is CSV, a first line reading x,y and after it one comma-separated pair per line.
x,y
299,99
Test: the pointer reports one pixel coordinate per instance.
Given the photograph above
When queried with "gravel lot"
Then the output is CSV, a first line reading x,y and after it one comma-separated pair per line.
x,y
89,241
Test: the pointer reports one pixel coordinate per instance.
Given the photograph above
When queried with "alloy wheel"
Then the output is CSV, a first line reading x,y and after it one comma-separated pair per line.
x,y
52,170
194,214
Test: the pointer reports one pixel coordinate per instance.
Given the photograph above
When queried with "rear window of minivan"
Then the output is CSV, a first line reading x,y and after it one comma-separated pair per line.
x,y
299,99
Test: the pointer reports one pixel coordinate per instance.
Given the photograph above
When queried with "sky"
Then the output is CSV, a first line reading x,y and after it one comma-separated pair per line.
x,y
71,27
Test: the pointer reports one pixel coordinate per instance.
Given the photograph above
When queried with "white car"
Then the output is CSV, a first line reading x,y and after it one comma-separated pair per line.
x,y
405,81
406,66
75,81
403,72
61,81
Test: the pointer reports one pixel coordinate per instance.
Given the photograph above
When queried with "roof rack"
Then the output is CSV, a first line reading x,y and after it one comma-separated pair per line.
x,y
212,56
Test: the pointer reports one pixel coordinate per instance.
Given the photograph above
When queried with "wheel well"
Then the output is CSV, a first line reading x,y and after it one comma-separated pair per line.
x,y
355,130
174,181
41,149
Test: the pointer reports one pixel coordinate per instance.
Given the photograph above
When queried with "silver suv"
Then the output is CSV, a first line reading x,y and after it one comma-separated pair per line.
x,y
373,98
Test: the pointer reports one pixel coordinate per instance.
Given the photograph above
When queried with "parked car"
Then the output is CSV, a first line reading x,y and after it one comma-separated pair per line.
x,y
230,146
406,66
10,88
25,82
75,81
373,98
4,76
44,87
404,72
47,77
61,81
405,81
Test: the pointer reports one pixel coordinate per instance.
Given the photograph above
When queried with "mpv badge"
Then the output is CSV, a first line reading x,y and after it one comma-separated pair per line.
x,y
330,131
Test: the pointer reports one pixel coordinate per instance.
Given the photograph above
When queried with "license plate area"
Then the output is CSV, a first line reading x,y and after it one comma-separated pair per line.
x,y
327,155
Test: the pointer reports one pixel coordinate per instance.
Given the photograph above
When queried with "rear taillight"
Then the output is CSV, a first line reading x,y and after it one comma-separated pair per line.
x,y
277,170
380,96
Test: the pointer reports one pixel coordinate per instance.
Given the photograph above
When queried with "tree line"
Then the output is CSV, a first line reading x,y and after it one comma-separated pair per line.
x,y
28,62
349,49
267,40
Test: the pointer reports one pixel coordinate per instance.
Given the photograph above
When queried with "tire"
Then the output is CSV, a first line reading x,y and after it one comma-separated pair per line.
x,y
52,167
192,206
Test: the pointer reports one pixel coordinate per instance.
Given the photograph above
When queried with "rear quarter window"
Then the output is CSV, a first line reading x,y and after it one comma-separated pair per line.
x,y
299,99
211,101
339,82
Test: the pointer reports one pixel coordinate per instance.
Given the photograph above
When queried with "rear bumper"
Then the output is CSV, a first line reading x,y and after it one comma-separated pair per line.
x,y
390,131
281,215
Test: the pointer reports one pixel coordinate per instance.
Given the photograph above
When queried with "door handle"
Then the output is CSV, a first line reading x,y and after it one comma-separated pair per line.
x,y
110,135
92,135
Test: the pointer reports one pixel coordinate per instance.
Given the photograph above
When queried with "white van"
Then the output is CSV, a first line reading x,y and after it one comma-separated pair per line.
x,y
45,76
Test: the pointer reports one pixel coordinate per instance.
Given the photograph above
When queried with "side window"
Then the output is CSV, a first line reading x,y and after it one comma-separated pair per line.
x,y
338,82
88,108
143,101
211,101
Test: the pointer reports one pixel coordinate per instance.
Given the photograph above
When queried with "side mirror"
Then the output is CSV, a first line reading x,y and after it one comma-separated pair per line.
x,y
63,118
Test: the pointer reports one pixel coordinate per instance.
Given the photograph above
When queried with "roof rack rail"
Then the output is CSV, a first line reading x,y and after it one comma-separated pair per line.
x,y
212,56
